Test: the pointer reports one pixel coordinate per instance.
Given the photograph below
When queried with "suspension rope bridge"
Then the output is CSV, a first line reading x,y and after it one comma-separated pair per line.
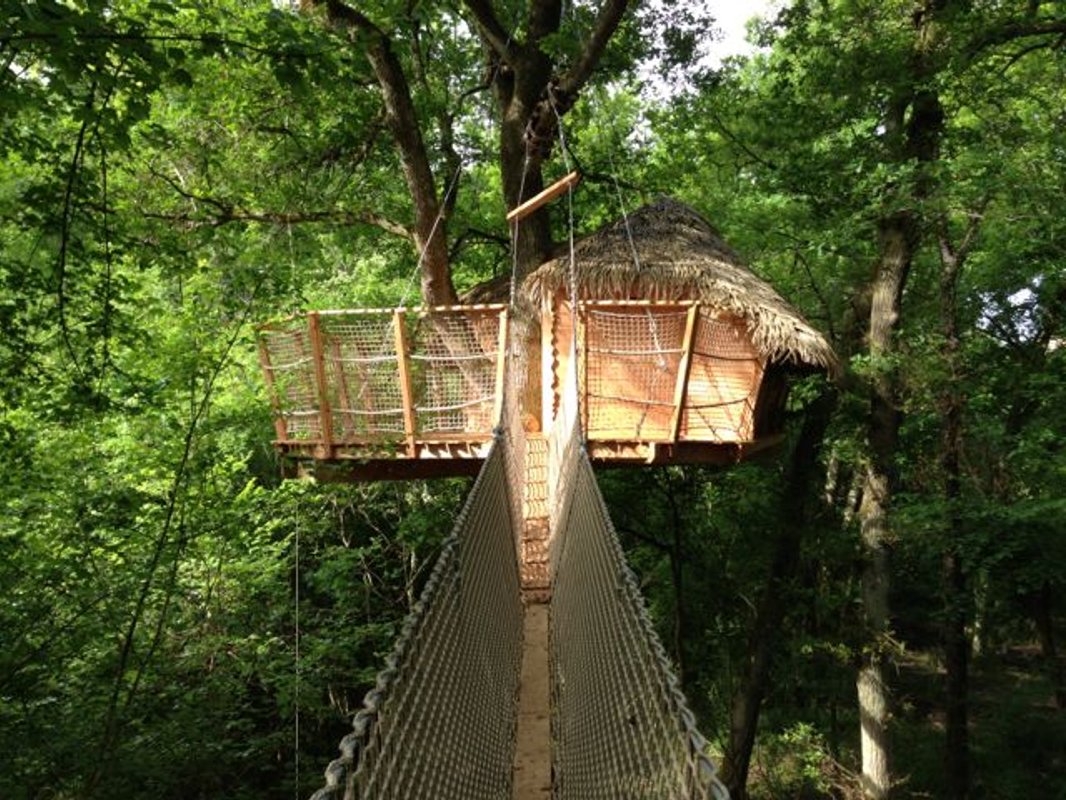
x,y
442,719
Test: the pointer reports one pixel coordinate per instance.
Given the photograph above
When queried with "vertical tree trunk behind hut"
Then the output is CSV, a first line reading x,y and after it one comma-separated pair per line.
x,y
956,589
747,700
914,125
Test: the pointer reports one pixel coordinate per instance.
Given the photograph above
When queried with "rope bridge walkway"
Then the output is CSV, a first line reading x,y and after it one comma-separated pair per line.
x,y
441,721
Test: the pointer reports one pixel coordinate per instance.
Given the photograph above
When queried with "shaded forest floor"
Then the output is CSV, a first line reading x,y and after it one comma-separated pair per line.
x,y
1018,737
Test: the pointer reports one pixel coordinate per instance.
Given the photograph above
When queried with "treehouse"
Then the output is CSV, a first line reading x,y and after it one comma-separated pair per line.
x,y
681,355
682,352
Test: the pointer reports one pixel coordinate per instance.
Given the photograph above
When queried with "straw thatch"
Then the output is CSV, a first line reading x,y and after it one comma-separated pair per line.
x,y
667,251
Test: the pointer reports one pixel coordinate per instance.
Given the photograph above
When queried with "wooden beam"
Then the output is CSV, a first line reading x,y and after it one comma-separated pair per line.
x,y
683,369
542,198
281,429
638,303
325,416
400,331
501,372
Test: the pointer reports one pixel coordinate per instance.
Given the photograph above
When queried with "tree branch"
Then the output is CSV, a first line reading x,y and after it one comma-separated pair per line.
x,y
606,24
1013,31
491,29
402,119
191,222
471,235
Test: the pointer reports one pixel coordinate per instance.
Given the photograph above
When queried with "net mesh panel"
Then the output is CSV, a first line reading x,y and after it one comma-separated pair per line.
x,y
723,383
454,356
452,362
359,353
620,724
440,721
630,371
290,371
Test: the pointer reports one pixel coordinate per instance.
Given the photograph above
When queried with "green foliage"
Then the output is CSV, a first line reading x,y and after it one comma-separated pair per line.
x,y
172,173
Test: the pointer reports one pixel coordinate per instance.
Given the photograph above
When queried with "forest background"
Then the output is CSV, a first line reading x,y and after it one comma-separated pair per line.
x,y
876,611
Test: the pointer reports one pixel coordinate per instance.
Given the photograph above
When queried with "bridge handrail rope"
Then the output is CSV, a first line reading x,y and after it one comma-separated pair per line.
x,y
620,723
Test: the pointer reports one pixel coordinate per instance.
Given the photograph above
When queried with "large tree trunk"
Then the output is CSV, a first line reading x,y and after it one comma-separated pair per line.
x,y
747,700
913,128
533,96
521,159
429,233
897,239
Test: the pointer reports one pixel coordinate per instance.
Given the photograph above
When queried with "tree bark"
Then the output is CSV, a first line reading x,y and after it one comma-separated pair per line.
x,y
897,240
747,700
913,128
533,96
956,591
1039,604
401,118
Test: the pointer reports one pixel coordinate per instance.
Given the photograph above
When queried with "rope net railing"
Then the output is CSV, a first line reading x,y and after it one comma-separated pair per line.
x,y
620,723
380,375
666,372
440,721
621,727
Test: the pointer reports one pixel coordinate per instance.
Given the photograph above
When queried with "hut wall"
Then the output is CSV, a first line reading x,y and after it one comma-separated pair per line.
x,y
633,371
724,381
630,358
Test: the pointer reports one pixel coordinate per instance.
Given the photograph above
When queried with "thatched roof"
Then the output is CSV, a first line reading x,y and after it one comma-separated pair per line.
x,y
680,256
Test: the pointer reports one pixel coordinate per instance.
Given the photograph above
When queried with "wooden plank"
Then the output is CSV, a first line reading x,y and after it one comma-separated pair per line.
x,y
281,430
546,196
325,416
478,307
501,369
400,331
683,369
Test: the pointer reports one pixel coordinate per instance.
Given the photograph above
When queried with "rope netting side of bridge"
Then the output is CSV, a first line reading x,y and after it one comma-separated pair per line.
x,y
440,721
621,726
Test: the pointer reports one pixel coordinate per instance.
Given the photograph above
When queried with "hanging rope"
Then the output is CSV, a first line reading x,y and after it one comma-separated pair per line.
x,y
652,323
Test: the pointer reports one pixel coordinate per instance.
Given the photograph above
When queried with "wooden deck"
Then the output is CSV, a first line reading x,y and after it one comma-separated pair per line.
x,y
369,394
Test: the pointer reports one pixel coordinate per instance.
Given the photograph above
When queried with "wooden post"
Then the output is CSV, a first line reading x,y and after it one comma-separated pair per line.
x,y
501,372
400,331
342,386
681,389
281,429
325,416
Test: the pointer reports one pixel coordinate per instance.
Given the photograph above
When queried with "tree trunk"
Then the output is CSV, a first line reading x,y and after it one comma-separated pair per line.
x,y
897,238
956,592
747,700
532,96
523,178
430,228
913,127
1040,604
